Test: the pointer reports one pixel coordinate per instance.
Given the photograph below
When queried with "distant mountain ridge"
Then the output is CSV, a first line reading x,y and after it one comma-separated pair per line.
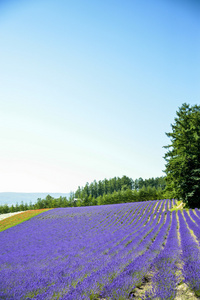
x,y
11,198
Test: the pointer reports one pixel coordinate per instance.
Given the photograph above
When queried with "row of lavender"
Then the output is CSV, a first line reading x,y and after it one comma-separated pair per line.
x,y
179,261
98,252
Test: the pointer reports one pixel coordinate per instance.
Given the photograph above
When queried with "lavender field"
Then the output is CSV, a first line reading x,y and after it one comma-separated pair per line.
x,y
124,251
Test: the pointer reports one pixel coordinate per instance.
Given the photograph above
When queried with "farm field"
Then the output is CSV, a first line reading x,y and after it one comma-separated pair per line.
x,y
140,250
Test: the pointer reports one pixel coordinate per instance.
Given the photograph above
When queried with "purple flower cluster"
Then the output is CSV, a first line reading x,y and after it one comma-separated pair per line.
x,y
190,251
134,273
164,266
193,223
197,211
83,252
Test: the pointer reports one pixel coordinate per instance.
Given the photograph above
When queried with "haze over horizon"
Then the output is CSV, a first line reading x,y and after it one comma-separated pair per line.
x,y
88,89
12,198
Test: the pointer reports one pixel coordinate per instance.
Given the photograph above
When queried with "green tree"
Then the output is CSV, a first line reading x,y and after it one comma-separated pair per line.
x,y
86,191
118,184
17,207
21,207
100,188
39,203
5,209
99,200
86,200
95,190
113,184
65,202
12,208
126,181
78,192
136,185
106,186
30,206
183,156
71,199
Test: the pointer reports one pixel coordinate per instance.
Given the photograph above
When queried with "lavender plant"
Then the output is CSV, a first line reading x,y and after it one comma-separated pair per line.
x,y
165,266
93,252
190,254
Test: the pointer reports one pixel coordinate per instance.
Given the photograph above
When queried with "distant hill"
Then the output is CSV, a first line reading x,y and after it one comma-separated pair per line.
x,y
13,198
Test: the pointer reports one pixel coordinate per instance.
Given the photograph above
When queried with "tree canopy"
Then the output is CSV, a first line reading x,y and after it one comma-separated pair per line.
x,y
183,156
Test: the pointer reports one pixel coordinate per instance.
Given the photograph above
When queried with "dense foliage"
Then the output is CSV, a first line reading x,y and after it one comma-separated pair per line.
x,y
183,156
108,191
102,252
116,184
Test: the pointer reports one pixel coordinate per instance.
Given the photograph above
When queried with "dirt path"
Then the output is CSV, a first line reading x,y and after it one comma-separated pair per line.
x,y
4,216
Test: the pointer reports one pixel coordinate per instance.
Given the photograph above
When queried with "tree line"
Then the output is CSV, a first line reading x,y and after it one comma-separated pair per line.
x,y
107,191
116,184
183,156
122,196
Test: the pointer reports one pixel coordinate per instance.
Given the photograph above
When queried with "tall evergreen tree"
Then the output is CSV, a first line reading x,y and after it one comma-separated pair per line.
x,y
106,186
100,188
183,156
78,192
95,191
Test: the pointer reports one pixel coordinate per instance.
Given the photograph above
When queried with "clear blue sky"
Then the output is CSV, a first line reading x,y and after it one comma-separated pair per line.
x,y
89,88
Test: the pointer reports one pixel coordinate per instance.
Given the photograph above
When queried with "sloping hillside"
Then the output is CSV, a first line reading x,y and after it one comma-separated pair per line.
x,y
122,251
